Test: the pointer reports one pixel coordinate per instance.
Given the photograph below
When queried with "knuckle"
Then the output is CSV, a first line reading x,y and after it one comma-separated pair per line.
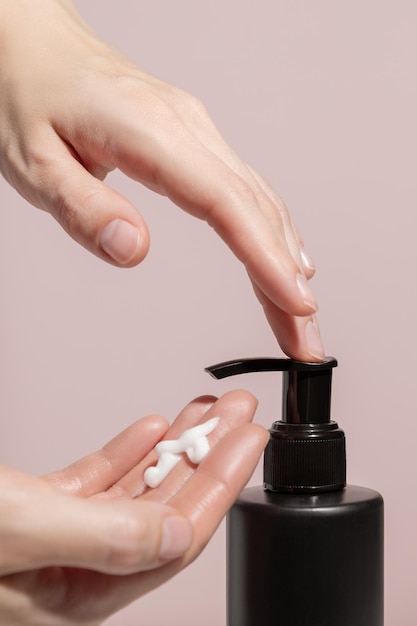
x,y
66,214
187,104
194,104
196,110
71,206
240,191
231,197
155,101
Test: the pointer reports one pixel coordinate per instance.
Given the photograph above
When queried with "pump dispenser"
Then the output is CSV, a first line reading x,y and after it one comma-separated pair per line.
x,y
305,550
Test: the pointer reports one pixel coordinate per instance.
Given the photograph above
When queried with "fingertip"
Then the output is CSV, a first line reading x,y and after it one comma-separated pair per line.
x,y
202,403
123,242
298,337
263,433
95,215
313,340
306,343
241,398
259,434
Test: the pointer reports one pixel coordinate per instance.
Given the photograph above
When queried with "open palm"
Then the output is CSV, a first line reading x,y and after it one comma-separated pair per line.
x,y
93,532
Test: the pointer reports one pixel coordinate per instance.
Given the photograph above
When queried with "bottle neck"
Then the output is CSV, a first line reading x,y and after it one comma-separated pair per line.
x,y
305,458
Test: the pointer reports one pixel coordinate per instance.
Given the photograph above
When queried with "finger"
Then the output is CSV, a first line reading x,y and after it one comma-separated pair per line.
x,y
42,527
308,263
299,337
92,213
172,161
282,211
102,469
132,484
219,479
196,118
233,409
159,150
204,499
292,235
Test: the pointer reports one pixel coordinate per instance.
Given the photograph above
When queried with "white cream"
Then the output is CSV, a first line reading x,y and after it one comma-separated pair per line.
x,y
193,442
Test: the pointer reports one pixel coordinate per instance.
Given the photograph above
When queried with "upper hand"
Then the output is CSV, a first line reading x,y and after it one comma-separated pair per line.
x,y
81,543
72,109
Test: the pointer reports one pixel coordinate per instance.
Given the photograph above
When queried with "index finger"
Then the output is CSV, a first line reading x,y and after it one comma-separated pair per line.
x,y
158,150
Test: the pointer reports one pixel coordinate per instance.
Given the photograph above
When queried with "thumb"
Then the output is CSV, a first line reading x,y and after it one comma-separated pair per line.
x,y
42,527
95,215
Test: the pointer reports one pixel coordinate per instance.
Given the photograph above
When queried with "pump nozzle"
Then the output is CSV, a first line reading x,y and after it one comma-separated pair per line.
x,y
306,386
306,451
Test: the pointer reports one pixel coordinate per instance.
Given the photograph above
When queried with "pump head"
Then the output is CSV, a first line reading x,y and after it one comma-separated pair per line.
x,y
306,450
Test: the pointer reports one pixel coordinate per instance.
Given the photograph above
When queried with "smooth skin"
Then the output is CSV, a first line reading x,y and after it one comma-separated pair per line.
x,y
92,538
79,544
72,109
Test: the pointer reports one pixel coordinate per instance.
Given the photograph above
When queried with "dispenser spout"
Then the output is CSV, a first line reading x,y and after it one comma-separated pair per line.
x,y
306,450
307,387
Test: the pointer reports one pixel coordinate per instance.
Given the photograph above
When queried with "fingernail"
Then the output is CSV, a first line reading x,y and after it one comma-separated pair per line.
x,y
120,240
177,536
305,291
313,340
307,260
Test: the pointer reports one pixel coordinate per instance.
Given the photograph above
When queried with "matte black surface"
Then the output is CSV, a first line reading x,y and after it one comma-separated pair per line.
x,y
305,560
308,551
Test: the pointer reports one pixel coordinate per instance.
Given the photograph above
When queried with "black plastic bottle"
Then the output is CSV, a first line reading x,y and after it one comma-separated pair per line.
x,y
305,550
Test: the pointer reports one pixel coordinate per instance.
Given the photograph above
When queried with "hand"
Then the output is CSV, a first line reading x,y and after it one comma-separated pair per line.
x,y
81,543
72,109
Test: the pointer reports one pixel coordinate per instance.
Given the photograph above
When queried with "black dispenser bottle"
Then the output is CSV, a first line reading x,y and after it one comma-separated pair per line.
x,y
306,550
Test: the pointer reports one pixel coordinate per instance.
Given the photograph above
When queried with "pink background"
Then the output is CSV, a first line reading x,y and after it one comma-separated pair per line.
x,y
321,97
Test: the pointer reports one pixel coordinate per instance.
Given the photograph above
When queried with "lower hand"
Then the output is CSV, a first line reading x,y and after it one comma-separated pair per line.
x,y
79,544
